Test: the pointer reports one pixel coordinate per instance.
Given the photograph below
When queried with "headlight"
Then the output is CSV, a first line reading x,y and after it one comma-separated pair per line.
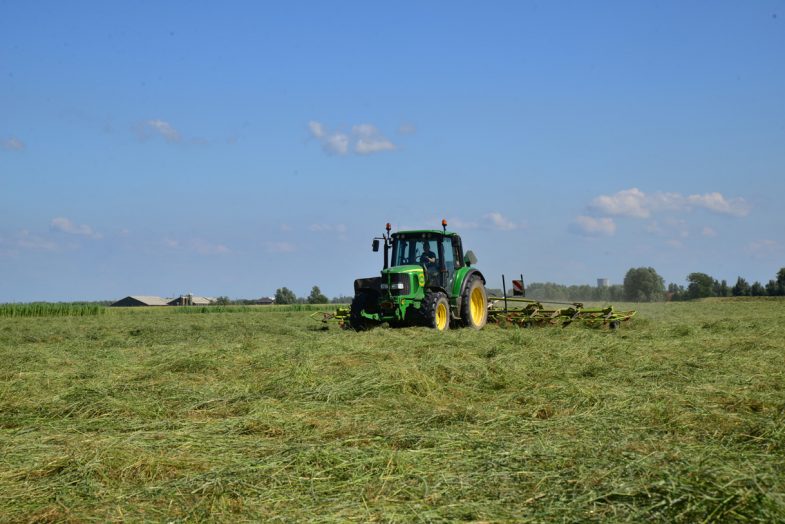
x,y
384,286
398,285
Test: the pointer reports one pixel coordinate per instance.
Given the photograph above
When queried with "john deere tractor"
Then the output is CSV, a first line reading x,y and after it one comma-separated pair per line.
x,y
426,280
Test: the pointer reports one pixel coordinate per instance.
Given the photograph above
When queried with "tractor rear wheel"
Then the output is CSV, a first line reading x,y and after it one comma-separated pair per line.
x,y
361,301
436,310
474,303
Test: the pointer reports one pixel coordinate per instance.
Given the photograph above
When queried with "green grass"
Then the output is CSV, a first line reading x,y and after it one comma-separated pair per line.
x,y
149,414
255,309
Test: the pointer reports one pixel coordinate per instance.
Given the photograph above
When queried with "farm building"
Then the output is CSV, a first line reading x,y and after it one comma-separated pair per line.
x,y
264,301
140,300
191,300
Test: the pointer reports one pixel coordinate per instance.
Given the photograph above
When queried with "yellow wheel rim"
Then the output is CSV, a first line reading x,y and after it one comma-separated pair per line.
x,y
441,317
477,305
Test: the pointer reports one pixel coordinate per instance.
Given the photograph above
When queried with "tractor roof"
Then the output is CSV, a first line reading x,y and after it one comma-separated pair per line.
x,y
426,231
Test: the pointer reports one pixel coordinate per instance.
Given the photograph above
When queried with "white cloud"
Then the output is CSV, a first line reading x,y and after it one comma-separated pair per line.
x,y
369,140
496,220
64,225
629,202
635,203
207,248
709,232
717,203
337,143
280,247
366,147
13,144
363,139
164,129
333,143
592,226
317,129
27,240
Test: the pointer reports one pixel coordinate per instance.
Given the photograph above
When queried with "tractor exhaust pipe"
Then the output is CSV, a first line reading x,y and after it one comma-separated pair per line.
x,y
387,246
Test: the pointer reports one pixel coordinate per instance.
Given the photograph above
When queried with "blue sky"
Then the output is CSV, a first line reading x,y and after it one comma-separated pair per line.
x,y
234,148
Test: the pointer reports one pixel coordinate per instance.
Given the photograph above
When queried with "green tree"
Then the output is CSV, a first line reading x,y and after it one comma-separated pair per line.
x,y
721,289
781,281
643,284
742,288
757,290
221,301
700,285
316,296
676,292
285,295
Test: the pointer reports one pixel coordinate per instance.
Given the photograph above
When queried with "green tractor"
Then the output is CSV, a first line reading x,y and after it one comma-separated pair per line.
x,y
426,280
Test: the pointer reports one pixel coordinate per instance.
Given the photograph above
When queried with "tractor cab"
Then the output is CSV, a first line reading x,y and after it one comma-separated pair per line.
x,y
438,253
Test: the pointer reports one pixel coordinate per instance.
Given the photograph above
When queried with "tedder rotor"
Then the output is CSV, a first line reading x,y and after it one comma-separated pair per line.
x,y
428,280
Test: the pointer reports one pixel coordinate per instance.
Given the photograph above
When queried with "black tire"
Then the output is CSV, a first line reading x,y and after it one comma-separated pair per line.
x,y
474,303
436,310
363,300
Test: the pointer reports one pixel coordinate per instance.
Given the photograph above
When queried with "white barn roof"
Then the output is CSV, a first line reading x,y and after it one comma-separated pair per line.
x,y
150,300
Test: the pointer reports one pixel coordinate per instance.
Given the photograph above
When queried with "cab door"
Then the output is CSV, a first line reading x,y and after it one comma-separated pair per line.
x,y
450,265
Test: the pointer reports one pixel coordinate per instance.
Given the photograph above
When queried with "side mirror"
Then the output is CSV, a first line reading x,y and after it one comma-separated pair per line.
x,y
375,245
470,258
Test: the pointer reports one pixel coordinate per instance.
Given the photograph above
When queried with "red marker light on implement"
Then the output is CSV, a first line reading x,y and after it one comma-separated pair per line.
x,y
388,227
444,224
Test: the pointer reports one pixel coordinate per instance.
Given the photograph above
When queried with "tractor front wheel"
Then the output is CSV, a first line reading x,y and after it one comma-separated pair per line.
x,y
436,310
474,304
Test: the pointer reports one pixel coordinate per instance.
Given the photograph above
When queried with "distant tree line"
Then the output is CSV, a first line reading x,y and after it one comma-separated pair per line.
x,y
285,295
643,284
701,285
560,292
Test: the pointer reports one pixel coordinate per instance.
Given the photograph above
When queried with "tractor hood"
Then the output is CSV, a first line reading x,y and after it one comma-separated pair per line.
x,y
411,268
402,280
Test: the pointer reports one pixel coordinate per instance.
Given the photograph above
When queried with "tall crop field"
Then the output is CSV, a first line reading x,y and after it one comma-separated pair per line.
x,y
48,309
152,415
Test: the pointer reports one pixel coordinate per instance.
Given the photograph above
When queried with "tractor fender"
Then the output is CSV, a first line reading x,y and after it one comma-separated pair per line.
x,y
466,277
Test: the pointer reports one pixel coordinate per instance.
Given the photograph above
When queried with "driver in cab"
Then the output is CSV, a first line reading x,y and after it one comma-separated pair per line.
x,y
428,257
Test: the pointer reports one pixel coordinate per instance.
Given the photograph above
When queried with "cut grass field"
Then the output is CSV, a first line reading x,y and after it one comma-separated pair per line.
x,y
149,414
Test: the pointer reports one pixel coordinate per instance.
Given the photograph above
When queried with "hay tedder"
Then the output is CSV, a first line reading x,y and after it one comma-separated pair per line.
x,y
428,280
